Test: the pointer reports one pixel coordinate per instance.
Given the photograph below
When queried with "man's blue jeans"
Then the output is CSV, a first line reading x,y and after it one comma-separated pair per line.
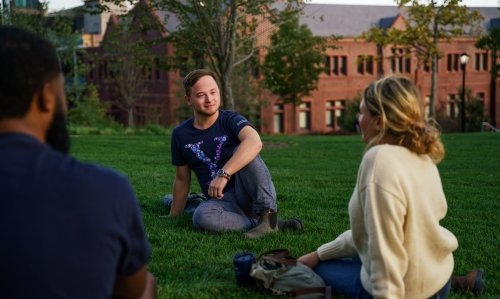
x,y
343,275
239,208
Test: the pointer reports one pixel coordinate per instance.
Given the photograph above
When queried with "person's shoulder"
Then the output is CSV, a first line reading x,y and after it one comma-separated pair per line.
x,y
224,114
380,156
386,152
186,124
234,118
85,176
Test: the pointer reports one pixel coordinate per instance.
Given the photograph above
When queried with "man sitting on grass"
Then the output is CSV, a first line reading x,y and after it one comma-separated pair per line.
x,y
67,229
222,148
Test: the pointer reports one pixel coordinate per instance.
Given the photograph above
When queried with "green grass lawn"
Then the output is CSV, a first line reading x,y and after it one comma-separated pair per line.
x,y
314,177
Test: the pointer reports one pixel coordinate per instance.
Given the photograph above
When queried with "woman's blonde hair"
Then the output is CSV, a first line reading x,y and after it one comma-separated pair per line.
x,y
397,101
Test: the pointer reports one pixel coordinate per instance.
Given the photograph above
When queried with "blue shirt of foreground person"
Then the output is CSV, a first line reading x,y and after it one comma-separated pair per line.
x,y
67,229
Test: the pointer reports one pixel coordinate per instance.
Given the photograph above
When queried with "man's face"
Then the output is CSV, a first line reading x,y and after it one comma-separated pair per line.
x,y
57,135
205,96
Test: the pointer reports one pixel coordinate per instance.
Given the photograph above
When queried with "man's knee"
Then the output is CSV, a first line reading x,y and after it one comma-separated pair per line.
x,y
207,217
211,217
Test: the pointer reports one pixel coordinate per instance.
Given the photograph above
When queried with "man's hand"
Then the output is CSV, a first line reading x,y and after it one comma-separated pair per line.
x,y
311,259
216,187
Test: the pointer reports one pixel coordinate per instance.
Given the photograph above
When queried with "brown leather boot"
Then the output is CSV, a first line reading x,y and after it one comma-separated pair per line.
x,y
471,282
268,223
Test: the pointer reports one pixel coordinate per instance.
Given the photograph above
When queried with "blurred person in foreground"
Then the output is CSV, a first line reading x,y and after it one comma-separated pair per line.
x,y
396,247
67,229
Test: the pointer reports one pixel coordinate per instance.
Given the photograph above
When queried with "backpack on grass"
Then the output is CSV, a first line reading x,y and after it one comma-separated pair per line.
x,y
281,274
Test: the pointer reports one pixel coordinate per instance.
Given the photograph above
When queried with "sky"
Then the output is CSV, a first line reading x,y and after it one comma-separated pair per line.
x,y
60,4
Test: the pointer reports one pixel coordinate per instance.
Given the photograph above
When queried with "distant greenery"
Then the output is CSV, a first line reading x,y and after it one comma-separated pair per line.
x,y
349,118
314,178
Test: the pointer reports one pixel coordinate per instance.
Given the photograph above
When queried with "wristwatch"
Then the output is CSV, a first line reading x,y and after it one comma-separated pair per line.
x,y
222,173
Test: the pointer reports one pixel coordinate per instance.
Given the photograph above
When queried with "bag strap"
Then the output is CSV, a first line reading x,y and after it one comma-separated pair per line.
x,y
281,256
327,291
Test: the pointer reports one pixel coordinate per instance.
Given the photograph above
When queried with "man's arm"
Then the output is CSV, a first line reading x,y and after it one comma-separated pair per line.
x,y
140,285
182,182
246,152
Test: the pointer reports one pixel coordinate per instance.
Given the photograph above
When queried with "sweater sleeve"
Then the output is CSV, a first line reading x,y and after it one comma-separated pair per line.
x,y
384,215
341,247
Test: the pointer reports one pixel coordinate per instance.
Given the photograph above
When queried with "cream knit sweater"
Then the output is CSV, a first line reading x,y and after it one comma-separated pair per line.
x,y
394,213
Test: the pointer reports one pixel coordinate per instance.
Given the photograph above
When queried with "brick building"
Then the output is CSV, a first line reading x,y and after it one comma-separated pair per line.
x,y
348,70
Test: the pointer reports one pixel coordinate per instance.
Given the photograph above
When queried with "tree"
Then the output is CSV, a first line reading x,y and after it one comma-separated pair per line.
x,y
491,43
220,33
128,67
349,118
59,30
294,61
427,24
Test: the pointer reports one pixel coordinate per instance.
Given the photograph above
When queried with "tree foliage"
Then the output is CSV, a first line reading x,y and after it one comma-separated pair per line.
x,y
294,61
91,112
491,43
129,58
59,30
428,23
220,34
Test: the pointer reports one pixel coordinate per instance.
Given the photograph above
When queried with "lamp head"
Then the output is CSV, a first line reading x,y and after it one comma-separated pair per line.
x,y
464,58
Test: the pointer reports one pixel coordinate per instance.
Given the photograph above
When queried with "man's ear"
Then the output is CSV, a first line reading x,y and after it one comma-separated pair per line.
x,y
187,99
46,98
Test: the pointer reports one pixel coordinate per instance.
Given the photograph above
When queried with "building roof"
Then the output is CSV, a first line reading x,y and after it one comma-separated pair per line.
x,y
353,20
344,20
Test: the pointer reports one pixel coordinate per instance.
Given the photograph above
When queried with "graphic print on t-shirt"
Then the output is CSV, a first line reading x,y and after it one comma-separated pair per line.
x,y
212,165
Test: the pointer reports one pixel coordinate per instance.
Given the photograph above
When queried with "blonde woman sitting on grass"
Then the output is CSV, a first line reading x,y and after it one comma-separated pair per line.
x,y
396,247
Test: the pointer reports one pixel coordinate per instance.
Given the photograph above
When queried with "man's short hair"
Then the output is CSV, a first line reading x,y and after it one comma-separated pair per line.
x,y
193,77
27,62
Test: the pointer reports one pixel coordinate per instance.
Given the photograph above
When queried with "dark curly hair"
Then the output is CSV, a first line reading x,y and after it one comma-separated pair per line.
x,y
27,62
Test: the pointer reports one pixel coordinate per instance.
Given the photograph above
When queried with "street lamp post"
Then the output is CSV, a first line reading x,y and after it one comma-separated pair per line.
x,y
463,61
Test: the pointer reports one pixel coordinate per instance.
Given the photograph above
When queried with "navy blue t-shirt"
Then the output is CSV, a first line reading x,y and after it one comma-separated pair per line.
x,y
66,228
206,151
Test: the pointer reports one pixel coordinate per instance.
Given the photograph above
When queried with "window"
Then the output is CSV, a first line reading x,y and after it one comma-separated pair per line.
x,y
255,65
333,110
328,65
400,61
365,64
339,65
453,62
305,116
427,66
157,69
456,62
369,65
278,118
427,106
480,96
481,62
452,106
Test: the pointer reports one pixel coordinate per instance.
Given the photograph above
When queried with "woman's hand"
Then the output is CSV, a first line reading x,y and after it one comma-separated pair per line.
x,y
311,259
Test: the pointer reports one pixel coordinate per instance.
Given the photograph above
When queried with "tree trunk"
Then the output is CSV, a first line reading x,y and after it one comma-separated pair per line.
x,y
380,53
434,65
432,100
493,86
130,117
294,111
227,92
